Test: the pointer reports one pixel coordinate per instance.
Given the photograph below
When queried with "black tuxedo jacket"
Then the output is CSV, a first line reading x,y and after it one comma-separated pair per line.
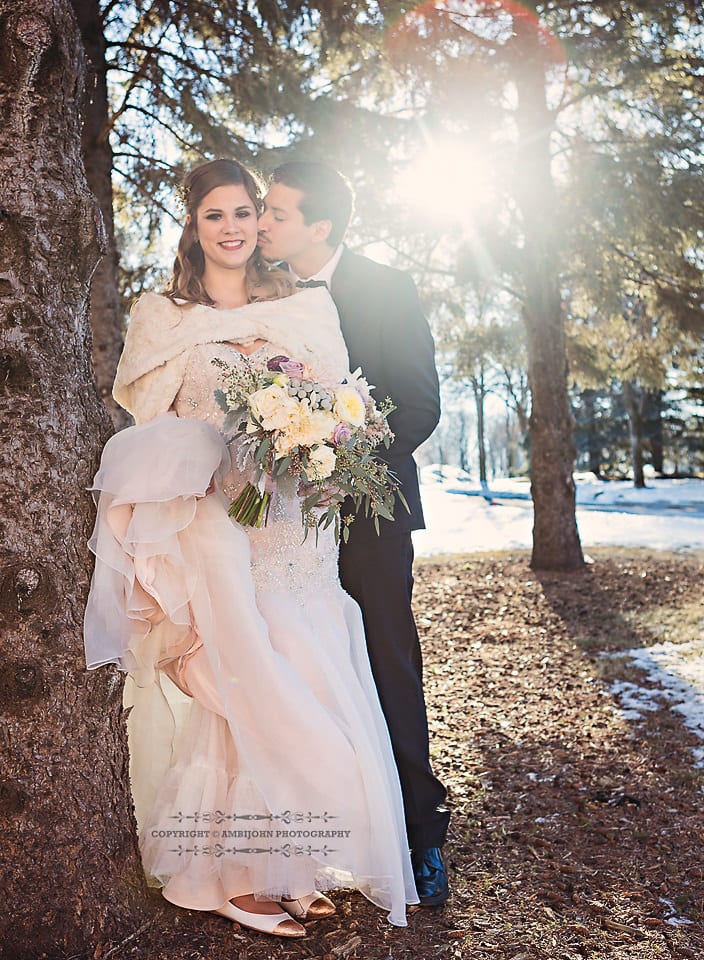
x,y
388,336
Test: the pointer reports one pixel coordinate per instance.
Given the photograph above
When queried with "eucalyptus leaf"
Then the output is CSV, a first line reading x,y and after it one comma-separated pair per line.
x,y
262,449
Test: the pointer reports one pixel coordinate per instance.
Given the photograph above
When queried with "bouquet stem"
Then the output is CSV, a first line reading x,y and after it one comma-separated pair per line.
x,y
251,508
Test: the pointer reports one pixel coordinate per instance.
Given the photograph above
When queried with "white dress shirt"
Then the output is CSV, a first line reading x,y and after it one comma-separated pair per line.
x,y
326,271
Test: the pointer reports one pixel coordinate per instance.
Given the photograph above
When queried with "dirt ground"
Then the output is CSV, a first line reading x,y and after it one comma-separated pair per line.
x,y
575,834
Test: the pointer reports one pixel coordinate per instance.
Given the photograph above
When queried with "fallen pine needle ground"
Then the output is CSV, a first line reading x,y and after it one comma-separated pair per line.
x,y
575,833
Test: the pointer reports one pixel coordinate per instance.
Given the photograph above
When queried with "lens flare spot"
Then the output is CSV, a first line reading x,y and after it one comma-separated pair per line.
x,y
434,22
450,179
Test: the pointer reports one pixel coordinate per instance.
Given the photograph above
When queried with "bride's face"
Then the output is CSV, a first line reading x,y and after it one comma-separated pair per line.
x,y
226,224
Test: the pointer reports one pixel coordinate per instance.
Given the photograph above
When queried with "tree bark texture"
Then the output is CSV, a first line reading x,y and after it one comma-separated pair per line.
x,y
634,400
556,544
106,312
70,873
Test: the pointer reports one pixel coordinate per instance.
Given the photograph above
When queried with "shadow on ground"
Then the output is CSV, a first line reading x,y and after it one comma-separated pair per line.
x,y
575,834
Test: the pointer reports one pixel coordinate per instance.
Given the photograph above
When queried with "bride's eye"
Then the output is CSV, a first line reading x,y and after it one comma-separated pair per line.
x,y
213,216
244,214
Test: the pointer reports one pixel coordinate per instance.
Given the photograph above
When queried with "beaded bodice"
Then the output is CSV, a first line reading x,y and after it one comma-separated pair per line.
x,y
280,559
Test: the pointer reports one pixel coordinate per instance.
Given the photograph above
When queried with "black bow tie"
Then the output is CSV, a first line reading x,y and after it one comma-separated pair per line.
x,y
311,283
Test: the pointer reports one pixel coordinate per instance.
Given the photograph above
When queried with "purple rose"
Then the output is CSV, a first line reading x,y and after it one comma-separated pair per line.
x,y
292,368
341,434
276,363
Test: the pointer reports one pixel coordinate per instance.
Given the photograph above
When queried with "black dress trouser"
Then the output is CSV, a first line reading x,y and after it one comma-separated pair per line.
x,y
378,573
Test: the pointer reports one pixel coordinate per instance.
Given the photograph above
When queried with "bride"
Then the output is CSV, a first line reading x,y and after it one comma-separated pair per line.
x,y
261,767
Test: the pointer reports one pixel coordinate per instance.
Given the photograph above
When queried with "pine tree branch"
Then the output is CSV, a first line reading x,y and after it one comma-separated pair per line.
x,y
150,198
657,278
155,52
142,23
413,261
151,161
107,10
484,43
157,119
141,71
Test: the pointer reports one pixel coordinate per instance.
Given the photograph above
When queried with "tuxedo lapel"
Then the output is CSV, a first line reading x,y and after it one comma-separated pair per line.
x,y
342,278
350,291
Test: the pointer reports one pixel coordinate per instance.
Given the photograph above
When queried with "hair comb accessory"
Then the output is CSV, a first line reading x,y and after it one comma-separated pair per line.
x,y
183,195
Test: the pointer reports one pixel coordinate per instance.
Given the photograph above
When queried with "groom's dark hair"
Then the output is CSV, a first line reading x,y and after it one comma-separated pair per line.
x,y
327,195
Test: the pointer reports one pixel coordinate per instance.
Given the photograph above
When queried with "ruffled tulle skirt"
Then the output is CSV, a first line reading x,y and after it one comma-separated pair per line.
x,y
260,760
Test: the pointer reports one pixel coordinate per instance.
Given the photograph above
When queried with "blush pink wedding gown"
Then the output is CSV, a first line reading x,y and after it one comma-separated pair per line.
x,y
260,759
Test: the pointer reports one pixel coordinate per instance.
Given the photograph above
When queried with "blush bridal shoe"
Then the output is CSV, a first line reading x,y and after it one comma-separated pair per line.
x,y
314,906
277,924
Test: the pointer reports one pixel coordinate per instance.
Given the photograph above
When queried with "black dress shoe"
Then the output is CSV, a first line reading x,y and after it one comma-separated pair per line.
x,y
430,875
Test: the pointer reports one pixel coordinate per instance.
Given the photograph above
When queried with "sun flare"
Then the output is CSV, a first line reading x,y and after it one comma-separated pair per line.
x,y
447,181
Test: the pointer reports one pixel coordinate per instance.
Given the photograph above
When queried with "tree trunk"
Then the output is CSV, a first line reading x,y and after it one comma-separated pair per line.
x,y
510,445
105,304
70,873
588,399
556,543
463,442
656,431
479,395
634,407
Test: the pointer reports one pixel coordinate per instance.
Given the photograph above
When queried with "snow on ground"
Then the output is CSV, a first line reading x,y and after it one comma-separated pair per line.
x,y
676,493
460,520
678,672
667,515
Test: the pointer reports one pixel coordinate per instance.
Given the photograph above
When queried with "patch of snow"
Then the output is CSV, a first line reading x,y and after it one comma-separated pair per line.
x,y
678,670
635,700
674,920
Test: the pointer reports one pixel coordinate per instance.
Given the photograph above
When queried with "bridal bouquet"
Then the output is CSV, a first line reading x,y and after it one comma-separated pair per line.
x,y
322,435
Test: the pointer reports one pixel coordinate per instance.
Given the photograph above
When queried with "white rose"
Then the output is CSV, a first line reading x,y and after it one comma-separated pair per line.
x,y
311,426
299,425
284,444
282,418
321,462
321,426
273,407
349,406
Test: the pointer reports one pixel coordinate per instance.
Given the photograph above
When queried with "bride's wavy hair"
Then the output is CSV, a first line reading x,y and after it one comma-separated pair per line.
x,y
262,282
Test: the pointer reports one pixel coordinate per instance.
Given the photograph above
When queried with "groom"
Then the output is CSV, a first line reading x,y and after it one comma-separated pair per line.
x,y
306,212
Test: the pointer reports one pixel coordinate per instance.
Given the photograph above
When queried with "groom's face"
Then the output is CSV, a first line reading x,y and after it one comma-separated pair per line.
x,y
283,232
